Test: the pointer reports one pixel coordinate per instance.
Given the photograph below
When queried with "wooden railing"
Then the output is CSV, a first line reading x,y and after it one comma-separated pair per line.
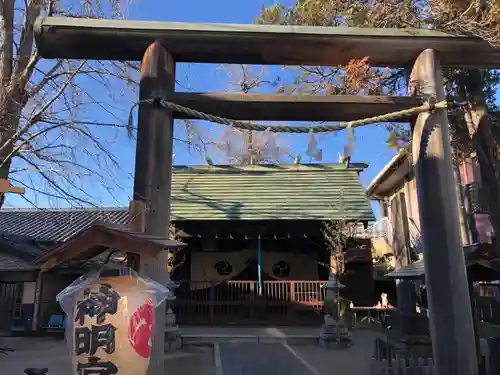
x,y
238,302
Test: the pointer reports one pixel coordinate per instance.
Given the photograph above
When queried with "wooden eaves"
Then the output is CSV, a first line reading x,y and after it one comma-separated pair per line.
x,y
100,237
78,38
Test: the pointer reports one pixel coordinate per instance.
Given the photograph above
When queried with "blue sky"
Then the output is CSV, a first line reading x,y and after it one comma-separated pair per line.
x,y
370,141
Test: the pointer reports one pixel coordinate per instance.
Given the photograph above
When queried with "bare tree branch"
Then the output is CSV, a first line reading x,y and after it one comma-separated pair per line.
x,y
245,148
46,142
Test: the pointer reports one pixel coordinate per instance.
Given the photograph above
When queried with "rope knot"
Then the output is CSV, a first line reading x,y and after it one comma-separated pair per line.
x,y
157,103
431,102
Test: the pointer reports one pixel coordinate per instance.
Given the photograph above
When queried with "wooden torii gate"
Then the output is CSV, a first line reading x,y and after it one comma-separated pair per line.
x,y
161,44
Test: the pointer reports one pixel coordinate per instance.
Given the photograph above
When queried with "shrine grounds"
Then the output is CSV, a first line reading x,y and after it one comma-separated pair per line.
x,y
234,357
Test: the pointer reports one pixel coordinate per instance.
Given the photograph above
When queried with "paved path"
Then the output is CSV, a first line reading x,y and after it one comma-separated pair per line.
x,y
250,331
261,359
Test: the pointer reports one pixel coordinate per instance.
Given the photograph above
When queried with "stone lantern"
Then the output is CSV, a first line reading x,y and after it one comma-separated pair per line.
x,y
335,331
172,334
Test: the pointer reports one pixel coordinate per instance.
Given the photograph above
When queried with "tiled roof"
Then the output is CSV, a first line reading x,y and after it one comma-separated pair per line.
x,y
275,192
56,225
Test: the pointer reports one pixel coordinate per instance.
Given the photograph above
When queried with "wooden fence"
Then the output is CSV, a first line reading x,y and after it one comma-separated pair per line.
x,y
239,302
392,359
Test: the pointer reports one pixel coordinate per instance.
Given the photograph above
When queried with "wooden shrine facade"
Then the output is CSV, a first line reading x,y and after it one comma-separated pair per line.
x,y
160,45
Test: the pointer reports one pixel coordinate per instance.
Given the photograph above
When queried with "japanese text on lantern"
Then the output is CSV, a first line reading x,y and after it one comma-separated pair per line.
x,y
97,340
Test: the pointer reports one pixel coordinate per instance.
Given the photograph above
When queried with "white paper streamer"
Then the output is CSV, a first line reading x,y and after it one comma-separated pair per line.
x,y
350,144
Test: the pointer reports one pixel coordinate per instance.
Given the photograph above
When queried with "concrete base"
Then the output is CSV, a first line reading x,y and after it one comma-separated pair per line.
x,y
203,335
336,344
173,338
335,336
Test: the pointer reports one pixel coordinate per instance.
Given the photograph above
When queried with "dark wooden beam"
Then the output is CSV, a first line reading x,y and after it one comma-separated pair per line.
x,y
260,107
78,38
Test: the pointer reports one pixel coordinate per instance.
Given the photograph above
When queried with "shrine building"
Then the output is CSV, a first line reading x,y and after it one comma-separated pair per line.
x,y
255,254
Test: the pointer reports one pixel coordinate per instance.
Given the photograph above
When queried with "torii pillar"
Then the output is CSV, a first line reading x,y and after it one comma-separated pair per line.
x,y
153,174
451,323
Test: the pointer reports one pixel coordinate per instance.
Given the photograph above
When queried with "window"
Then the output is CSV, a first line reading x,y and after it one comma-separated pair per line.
x,y
385,209
476,172
18,300
475,200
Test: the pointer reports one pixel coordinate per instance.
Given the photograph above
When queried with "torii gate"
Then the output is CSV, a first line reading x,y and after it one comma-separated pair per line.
x,y
161,44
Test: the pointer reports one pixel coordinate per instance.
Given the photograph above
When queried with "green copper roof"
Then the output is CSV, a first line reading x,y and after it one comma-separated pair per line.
x,y
286,192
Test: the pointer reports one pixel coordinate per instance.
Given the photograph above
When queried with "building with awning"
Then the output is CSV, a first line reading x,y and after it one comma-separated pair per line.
x,y
480,261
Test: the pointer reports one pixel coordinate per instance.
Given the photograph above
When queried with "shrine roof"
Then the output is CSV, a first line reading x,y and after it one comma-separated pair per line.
x,y
270,192
205,193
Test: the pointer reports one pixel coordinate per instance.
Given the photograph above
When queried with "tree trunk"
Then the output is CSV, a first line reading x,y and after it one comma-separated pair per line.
x,y
10,120
479,127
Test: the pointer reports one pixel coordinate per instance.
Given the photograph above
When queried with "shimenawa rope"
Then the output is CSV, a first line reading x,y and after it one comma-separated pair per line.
x,y
430,105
